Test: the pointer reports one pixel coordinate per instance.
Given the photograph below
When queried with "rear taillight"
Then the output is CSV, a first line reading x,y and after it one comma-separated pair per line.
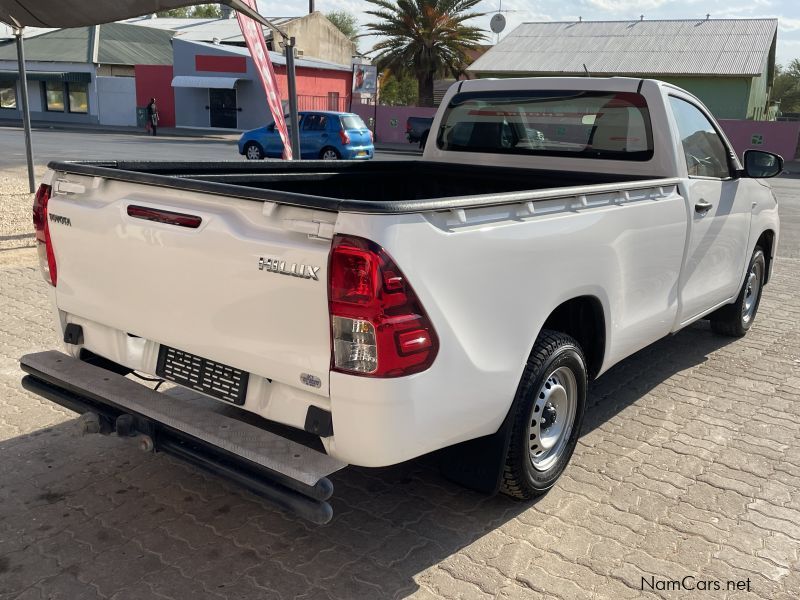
x,y
371,136
44,245
378,325
344,136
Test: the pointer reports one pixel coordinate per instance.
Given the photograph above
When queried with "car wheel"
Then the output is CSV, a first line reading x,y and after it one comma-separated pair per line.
x,y
253,151
329,154
547,418
735,319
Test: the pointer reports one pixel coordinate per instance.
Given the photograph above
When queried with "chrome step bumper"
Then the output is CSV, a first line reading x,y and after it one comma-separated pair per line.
x,y
190,426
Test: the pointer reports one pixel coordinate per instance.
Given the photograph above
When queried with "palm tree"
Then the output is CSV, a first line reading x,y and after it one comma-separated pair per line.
x,y
424,37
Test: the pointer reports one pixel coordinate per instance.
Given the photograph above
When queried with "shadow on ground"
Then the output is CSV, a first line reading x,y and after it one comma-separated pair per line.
x,y
94,515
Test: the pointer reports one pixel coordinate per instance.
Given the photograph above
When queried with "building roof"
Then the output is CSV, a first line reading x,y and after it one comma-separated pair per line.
x,y
226,30
7,32
119,44
276,57
674,47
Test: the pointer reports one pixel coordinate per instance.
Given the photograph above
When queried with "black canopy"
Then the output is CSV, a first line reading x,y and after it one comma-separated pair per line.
x,y
80,13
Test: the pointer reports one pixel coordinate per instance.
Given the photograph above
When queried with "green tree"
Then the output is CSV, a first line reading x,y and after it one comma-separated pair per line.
x,y
201,11
207,11
425,37
345,22
399,90
786,87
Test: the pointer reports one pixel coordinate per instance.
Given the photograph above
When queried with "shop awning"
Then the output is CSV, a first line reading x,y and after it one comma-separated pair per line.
x,y
190,81
71,77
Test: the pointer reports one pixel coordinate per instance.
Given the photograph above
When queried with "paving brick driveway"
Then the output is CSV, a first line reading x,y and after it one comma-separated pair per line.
x,y
689,465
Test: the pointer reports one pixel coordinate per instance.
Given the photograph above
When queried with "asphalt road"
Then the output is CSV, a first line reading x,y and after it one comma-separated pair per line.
x,y
97,145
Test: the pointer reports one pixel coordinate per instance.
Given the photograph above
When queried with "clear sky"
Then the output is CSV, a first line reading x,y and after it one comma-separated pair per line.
x,y
787,11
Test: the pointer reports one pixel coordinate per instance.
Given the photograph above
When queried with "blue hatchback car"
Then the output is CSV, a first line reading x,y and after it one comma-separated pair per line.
x,y
323,135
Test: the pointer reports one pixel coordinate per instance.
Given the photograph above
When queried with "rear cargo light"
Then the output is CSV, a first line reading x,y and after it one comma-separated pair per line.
x,y
378,325
344,136
41,225
164,216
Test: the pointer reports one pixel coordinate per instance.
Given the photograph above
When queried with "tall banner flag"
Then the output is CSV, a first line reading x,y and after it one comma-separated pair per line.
x,y
254,37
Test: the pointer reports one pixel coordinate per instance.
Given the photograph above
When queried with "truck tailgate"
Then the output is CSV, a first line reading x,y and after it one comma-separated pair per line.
x,y
243,286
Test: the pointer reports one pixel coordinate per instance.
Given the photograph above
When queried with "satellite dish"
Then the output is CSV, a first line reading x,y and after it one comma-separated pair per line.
x,y
498,23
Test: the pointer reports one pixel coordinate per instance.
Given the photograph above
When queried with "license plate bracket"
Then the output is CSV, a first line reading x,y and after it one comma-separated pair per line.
x,y
202,374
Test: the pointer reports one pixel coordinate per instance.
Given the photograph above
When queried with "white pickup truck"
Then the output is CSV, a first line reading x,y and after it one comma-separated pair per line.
x,y
308,315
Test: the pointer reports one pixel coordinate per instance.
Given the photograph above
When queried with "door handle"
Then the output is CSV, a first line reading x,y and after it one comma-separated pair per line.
x,y
702,207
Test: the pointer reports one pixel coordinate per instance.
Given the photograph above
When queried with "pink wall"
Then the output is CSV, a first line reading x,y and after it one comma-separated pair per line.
x,y
387,115
780,137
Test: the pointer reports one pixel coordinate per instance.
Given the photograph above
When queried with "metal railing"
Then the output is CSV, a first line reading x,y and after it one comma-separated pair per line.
x,y
330,102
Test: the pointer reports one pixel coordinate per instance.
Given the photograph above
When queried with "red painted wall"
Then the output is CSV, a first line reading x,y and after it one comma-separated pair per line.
x,y
155,81
315,82
220,64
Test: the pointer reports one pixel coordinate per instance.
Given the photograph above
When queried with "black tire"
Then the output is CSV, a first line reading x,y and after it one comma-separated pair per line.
x,y
734,320
253,151
551,352
423,140
329,153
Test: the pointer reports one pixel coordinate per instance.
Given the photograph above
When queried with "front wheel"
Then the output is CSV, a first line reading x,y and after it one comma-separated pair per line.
x,y
735,319
253,151
548,413
329,154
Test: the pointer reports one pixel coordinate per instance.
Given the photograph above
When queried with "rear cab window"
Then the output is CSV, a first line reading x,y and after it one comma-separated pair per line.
x,y
352,122
582,124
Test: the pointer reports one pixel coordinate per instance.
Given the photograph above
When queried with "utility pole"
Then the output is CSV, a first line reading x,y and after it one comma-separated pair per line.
x,y
294,126
26,111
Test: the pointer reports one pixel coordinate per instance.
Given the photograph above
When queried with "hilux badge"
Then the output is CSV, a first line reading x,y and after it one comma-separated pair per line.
x,y
281,267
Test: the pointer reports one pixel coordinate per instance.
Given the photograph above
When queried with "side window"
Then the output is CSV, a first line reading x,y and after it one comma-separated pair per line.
x,y
314,123
703,149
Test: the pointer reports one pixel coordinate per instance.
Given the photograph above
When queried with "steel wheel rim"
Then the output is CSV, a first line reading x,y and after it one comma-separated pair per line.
x,y
329,155
253,153
552,418
752,287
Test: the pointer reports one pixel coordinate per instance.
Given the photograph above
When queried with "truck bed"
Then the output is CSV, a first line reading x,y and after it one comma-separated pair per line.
x,y
364,187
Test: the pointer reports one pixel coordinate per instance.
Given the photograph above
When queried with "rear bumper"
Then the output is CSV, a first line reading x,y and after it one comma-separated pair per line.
x,y
201,431
353,153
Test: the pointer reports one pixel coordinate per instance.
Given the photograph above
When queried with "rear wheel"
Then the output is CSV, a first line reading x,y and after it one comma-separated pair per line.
x,y
253,151
423,140
548,414
329,154
735,319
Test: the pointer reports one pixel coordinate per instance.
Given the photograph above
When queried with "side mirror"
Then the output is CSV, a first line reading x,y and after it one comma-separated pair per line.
x,y
760,164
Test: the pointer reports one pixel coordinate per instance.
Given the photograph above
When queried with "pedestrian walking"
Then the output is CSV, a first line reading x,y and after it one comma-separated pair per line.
x,y
152,116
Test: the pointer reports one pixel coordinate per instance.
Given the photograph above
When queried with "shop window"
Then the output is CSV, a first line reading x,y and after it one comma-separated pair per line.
x,y
54,96
8,94
66,97
78,97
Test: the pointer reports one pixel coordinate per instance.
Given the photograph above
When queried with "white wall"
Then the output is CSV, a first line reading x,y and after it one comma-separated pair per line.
x,y
117,100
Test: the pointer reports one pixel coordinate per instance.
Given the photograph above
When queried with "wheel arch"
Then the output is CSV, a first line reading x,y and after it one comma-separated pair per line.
x,y
767,243
253,142
583,318
330,147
